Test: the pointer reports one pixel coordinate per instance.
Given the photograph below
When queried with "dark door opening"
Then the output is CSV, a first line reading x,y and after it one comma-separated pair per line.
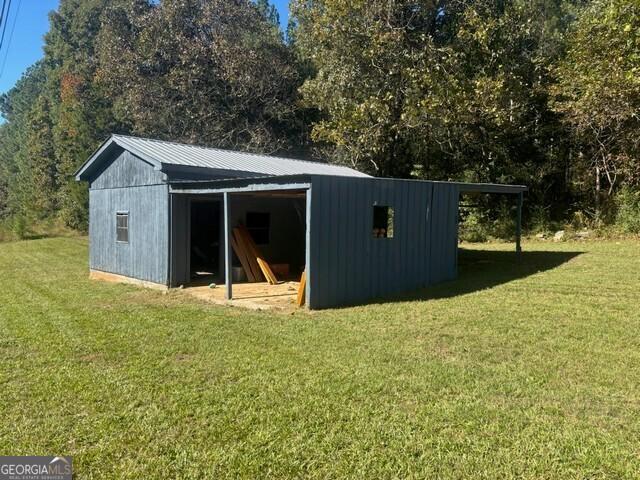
x,y
205,238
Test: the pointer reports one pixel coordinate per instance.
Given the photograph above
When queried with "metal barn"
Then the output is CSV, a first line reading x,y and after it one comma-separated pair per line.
x,y
164,214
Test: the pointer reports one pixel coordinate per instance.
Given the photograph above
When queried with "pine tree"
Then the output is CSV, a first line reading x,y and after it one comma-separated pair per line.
x,y
38,169
81,115
16,106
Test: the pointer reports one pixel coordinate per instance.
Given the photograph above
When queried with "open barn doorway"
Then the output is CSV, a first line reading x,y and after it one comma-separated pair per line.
x,y
268,248
205,240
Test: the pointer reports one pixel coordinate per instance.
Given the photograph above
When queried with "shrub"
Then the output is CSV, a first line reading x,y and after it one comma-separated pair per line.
x,y
473,228
540,221
19,226
504,226
628,210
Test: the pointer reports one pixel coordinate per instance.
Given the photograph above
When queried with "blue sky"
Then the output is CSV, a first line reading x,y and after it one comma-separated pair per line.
x,y
26,43
32,23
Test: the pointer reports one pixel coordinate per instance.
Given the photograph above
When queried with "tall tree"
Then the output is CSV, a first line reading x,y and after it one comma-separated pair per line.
x,y
37,169
437,89
214,72
16,106
599,94
368,58
80,112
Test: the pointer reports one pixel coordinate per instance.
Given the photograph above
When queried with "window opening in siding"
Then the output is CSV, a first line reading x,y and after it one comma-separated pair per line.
x,y
259,225
122,227
382,221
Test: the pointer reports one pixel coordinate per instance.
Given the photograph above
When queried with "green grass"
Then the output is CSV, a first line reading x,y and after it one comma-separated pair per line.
x,y
515,370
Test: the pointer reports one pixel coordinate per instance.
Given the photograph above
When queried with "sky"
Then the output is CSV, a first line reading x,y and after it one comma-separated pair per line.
x,y
26,43
32,22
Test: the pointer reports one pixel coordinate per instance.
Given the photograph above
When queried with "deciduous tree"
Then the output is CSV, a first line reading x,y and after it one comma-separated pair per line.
x,y
209,72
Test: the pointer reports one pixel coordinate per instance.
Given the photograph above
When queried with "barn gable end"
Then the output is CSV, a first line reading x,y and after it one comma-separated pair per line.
x,y
124,169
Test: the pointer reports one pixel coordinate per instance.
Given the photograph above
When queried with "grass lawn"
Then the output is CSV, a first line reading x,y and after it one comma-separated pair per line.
x,y
515,370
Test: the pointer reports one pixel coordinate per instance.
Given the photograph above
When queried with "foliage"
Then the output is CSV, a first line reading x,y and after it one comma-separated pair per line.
x,y
19,226
628,210
208,72
544,93
473,227
16,168
435,89
81,116
480,223
504,225
368,57
37,170
540,222
598,92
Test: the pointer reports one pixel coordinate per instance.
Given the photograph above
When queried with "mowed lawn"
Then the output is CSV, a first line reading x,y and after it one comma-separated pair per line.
x,y
524,369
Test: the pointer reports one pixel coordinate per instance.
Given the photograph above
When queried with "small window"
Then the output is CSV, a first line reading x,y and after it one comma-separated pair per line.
x,y
382,221
258,224
122,227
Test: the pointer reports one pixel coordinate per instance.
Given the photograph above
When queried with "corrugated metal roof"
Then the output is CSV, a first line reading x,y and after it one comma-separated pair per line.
x,y
169,153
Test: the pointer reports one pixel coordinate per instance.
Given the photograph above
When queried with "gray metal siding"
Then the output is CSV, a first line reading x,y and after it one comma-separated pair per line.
x,y
444,233
126,170
346,264
146,254
349,265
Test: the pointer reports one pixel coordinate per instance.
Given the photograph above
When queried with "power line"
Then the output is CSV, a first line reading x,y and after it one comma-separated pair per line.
x,y
2,19
13,27
4,26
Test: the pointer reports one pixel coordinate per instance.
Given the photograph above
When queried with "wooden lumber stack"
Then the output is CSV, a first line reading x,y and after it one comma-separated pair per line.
x,y
245,260
250,258
301,288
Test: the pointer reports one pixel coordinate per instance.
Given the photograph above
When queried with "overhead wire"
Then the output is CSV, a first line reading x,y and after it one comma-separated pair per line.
x,y
4,3
5,21
13,27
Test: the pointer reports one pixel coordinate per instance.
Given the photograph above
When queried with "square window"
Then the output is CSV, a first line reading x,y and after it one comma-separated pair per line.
x,y
258,224
122,227
382,221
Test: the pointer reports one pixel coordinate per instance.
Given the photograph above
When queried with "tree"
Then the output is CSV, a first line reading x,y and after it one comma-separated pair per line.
x,y
598,93
81,114
439,89
209,72
367,58
16,106
499,125
37,169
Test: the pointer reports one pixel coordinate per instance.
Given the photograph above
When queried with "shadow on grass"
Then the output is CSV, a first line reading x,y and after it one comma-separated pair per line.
x,y
37,236
482,269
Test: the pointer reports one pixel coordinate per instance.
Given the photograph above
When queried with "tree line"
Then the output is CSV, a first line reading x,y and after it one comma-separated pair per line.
x,y
538,92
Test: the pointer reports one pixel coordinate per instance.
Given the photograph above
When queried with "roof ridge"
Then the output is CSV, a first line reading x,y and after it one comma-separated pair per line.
x,y
263,155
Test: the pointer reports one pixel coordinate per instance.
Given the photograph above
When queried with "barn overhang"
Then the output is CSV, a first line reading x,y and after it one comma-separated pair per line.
x,y
236,185
498,188
304,181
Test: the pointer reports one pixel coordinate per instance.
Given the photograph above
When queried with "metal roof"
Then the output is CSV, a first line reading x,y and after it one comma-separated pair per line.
x,y
162,154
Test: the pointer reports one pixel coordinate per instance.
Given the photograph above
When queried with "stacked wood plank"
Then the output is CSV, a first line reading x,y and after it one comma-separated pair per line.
x,y
250,257
301,288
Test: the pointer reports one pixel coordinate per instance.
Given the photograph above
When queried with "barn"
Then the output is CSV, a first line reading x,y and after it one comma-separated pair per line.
x,y
172,215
